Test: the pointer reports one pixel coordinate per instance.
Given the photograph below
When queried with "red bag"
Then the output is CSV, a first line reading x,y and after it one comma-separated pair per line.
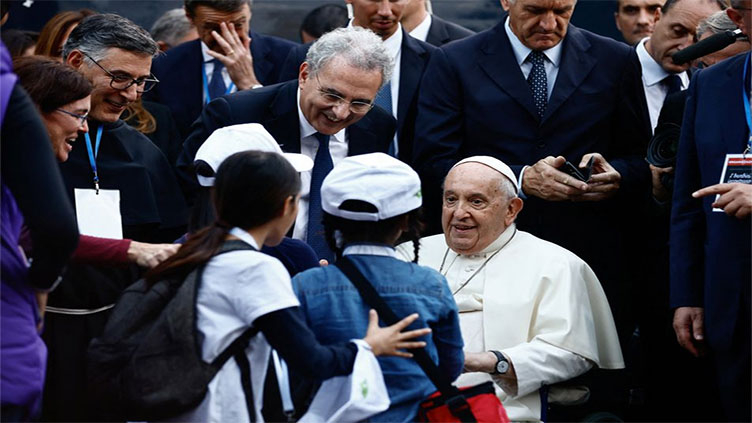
x,y
477,403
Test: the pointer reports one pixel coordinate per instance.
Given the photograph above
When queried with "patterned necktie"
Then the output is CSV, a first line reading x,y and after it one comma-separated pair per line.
x,y
217,86
384,100
537,81
673,83
322,165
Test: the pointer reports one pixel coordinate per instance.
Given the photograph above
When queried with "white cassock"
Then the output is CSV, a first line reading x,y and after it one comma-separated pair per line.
x,y
535,301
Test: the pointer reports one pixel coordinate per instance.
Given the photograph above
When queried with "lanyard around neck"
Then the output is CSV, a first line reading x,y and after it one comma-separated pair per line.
x,y
745,96
93,154
207,96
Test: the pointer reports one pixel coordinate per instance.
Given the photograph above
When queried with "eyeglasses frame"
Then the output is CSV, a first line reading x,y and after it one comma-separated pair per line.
x,y
81,118
341,100
136,82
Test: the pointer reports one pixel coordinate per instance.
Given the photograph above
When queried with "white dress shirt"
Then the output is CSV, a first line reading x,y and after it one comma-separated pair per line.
x,y
309,145
421,31
209,68
652,75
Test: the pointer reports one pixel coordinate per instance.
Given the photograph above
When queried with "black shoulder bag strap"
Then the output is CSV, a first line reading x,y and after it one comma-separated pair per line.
x,y
238,346
454,398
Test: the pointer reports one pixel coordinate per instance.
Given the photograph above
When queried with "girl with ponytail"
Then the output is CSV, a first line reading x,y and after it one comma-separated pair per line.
x,y
256,201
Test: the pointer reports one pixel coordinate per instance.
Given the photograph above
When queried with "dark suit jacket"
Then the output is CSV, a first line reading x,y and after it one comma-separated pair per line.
x,y
275,107
710,251
442,32
181,85
474,100
414,59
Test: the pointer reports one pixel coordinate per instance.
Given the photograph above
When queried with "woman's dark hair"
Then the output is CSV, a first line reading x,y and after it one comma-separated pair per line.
x,y
51,38
18,41
250,189
379,232
50,84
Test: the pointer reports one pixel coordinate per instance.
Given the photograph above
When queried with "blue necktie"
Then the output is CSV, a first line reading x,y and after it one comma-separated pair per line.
x,y
537,82
384,100
673,83
322,165
217,87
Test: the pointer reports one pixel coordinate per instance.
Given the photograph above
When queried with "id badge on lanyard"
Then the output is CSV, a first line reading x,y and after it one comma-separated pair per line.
x,y
737,168
98,210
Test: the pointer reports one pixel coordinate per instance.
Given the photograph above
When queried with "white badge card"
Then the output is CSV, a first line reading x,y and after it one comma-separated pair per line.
x,y
737,168
99,214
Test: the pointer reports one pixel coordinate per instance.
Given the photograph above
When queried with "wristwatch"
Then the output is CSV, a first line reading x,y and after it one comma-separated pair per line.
x,y
502,364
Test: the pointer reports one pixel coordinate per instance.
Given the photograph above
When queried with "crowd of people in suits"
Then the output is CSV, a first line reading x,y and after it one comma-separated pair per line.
x,y
515,168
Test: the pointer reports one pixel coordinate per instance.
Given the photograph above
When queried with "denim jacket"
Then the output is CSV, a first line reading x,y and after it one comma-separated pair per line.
x,y
335,312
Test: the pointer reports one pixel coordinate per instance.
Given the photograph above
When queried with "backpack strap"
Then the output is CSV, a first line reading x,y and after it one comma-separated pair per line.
x,y
237,348
455,400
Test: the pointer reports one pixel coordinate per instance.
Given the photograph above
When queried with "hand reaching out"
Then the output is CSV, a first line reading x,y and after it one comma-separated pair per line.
x,y
237,58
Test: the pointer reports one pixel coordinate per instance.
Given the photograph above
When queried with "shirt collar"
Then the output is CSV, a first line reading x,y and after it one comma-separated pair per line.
x,y
245,236
421,31
306,129
652,72
370,250
521,51
204,53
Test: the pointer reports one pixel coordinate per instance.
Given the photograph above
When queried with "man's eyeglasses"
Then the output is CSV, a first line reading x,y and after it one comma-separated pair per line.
x,y
331,99
123,82
81,118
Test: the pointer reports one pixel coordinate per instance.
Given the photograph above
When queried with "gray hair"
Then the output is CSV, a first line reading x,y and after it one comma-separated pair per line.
x,y
716,23
358,47
171,27
507,188
96,34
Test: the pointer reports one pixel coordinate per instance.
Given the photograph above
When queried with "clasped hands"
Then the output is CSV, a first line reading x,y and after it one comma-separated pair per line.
x,y
237,57
545,180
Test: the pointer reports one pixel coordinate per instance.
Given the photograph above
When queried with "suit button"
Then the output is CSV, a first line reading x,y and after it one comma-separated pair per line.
x,y
541,145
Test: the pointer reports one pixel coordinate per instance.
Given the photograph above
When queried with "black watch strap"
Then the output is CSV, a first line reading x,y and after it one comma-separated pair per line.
x,y
500,359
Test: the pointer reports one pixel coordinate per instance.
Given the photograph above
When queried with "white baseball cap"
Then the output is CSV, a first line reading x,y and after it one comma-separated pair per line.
x,y
494,164
376,178
224,142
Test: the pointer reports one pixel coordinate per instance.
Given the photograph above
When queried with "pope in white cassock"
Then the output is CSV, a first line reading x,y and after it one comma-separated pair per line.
x,y
531,312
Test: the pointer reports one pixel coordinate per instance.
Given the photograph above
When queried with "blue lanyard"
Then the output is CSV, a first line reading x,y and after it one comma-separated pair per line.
x,y
206,85
745,97
93,154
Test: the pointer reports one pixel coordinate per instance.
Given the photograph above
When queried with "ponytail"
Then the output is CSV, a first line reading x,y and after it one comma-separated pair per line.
x,y
197,250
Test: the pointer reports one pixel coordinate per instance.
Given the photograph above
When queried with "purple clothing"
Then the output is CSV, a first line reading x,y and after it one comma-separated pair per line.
x,y
23,355
7,79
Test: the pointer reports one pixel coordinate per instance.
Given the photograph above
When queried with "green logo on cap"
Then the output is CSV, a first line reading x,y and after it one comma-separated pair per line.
x,y
419,194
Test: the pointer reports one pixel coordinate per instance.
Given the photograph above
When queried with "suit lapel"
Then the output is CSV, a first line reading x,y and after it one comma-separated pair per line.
x,y
413,57
499,63
575,65
259,50
362,139
437,33
282,120
192,79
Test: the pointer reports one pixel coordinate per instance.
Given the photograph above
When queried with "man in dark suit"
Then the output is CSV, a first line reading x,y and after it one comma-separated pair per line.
x,y
329,105
425,26
535,91
710,249
400,95
241,59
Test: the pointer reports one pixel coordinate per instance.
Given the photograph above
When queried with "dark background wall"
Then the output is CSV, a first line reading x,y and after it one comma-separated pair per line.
x,y
283,17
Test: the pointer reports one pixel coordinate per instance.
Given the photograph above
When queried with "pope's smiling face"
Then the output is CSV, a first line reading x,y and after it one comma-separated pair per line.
x,y
476,209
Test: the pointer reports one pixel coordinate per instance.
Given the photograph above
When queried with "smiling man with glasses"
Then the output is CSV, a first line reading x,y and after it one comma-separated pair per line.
x,y
326,114
115,161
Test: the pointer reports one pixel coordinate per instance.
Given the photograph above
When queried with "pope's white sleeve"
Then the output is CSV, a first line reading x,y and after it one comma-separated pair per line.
x,y
538,363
